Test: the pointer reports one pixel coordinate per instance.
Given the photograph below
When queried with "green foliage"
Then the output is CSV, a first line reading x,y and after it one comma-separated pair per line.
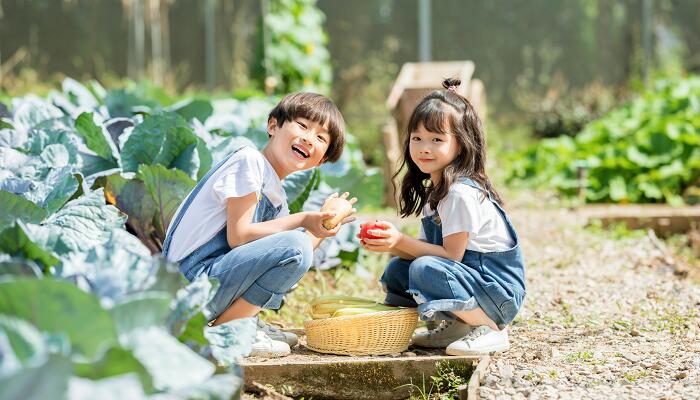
x,y
295,52
644,152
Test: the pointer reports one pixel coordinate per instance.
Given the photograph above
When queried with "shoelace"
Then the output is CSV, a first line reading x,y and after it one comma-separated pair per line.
x,y
475,333
441,327
266,327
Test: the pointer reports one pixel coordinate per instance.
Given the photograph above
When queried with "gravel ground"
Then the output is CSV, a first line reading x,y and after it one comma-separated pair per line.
x,y
603,318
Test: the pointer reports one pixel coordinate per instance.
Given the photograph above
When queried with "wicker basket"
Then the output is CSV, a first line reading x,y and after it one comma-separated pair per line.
x,y
377,333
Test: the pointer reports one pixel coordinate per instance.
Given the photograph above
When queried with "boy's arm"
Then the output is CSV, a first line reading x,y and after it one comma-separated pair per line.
x,y
315,241
240,229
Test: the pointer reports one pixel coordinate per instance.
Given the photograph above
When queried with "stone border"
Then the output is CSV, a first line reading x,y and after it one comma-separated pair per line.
x,y
470,391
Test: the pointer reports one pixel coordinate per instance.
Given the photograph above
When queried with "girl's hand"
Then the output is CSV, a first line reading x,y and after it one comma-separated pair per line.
x,y
389,237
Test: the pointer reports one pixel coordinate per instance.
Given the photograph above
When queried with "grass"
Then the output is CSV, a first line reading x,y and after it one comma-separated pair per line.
x,y
584,357
362,280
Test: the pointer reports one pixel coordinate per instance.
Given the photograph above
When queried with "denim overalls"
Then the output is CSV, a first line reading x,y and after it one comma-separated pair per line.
x,y
261,271
494,281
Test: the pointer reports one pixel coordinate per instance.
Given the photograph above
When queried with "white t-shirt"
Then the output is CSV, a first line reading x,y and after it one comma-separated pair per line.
x,y
466,209
247,171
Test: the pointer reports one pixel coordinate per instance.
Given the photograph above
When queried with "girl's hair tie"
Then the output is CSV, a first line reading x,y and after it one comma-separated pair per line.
x,y
452,88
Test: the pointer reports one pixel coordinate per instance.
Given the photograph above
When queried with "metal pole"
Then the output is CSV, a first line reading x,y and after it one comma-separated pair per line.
x,y
424,30
139,38
647,21
210,52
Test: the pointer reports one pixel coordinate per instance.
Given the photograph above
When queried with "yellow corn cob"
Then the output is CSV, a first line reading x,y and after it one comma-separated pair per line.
x,y
347,311
325,306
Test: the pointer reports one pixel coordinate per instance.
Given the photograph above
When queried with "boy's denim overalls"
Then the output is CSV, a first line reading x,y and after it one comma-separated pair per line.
x,y
494,281
261,271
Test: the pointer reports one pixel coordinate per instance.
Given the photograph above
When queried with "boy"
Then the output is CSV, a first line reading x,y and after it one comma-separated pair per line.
x,y
235,224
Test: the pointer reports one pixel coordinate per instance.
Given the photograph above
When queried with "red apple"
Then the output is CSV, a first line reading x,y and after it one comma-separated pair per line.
x,y
367,227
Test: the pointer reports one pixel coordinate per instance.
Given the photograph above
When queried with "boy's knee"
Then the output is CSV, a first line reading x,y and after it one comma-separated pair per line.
x,y
298,246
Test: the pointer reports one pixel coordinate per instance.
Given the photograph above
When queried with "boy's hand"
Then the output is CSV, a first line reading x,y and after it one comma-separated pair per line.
x,y
388,235
350,217
313,222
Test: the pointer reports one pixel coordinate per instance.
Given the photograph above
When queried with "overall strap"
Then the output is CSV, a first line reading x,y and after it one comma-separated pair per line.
x,y
188,200
472,183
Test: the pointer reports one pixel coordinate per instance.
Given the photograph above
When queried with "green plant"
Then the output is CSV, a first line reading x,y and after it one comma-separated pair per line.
x,y
644,152
449,376
295,56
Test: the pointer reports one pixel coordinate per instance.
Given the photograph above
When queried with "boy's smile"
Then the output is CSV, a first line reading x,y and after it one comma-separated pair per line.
x,y
296,145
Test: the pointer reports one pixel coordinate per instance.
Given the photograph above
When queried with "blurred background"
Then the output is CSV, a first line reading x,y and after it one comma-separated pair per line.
x,y
548,67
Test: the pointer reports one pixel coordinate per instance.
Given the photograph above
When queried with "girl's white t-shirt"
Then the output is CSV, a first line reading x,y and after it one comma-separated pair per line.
x,y
245,172
467,209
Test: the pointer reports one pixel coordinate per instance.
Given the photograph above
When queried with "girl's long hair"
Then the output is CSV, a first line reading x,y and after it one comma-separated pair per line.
x,y
444,111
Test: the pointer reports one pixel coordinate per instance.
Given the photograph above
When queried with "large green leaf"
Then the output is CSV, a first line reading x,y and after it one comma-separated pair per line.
x,y
48,380
132,198
80,225
126,386
25,341
231,340
298,185
18,241
193,108
17,207
172,365
114,270
164,139
123,103
96,138
116,361
31,111
18,267
60,307
168,188
141,310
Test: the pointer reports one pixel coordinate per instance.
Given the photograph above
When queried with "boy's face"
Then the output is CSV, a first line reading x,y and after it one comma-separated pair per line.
x,y
297,145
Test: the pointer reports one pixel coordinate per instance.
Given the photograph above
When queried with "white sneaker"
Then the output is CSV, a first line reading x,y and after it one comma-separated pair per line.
x,y
444,333
481,339
275,333
266,347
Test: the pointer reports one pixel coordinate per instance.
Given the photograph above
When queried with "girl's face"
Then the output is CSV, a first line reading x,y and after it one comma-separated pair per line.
x,y
432,151
297,145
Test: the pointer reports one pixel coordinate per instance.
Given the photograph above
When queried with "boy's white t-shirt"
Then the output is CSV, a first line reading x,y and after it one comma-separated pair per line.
x,y
245,172
466,209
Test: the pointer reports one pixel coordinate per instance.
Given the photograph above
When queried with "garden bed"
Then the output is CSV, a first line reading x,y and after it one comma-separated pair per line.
x,y
665,220
308,374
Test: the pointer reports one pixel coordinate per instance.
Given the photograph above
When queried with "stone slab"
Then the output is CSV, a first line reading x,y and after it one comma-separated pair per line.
x,y
343,377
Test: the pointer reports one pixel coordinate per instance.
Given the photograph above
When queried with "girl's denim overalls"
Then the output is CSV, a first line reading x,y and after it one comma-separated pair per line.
x,y
261,271
494,281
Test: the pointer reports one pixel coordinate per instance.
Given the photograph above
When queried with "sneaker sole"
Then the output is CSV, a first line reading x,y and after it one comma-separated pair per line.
x,y
494,349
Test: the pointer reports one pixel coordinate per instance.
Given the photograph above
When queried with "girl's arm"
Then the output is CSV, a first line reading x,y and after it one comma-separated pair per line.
x,y
392,240
401,254
240,229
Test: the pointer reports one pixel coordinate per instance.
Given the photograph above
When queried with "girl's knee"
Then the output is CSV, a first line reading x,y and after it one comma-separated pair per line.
x,y
425,269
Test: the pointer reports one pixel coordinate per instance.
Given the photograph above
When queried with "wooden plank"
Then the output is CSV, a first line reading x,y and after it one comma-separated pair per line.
x,y
663,219
340,377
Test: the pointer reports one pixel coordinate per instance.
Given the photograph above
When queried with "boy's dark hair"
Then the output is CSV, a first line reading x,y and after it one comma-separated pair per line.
x,y
317,108
444,111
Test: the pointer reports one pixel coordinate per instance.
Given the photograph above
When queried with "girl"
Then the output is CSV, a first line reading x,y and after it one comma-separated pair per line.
x,y
466,268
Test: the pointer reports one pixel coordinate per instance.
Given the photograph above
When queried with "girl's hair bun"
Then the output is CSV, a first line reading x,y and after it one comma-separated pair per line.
x,y
451,82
